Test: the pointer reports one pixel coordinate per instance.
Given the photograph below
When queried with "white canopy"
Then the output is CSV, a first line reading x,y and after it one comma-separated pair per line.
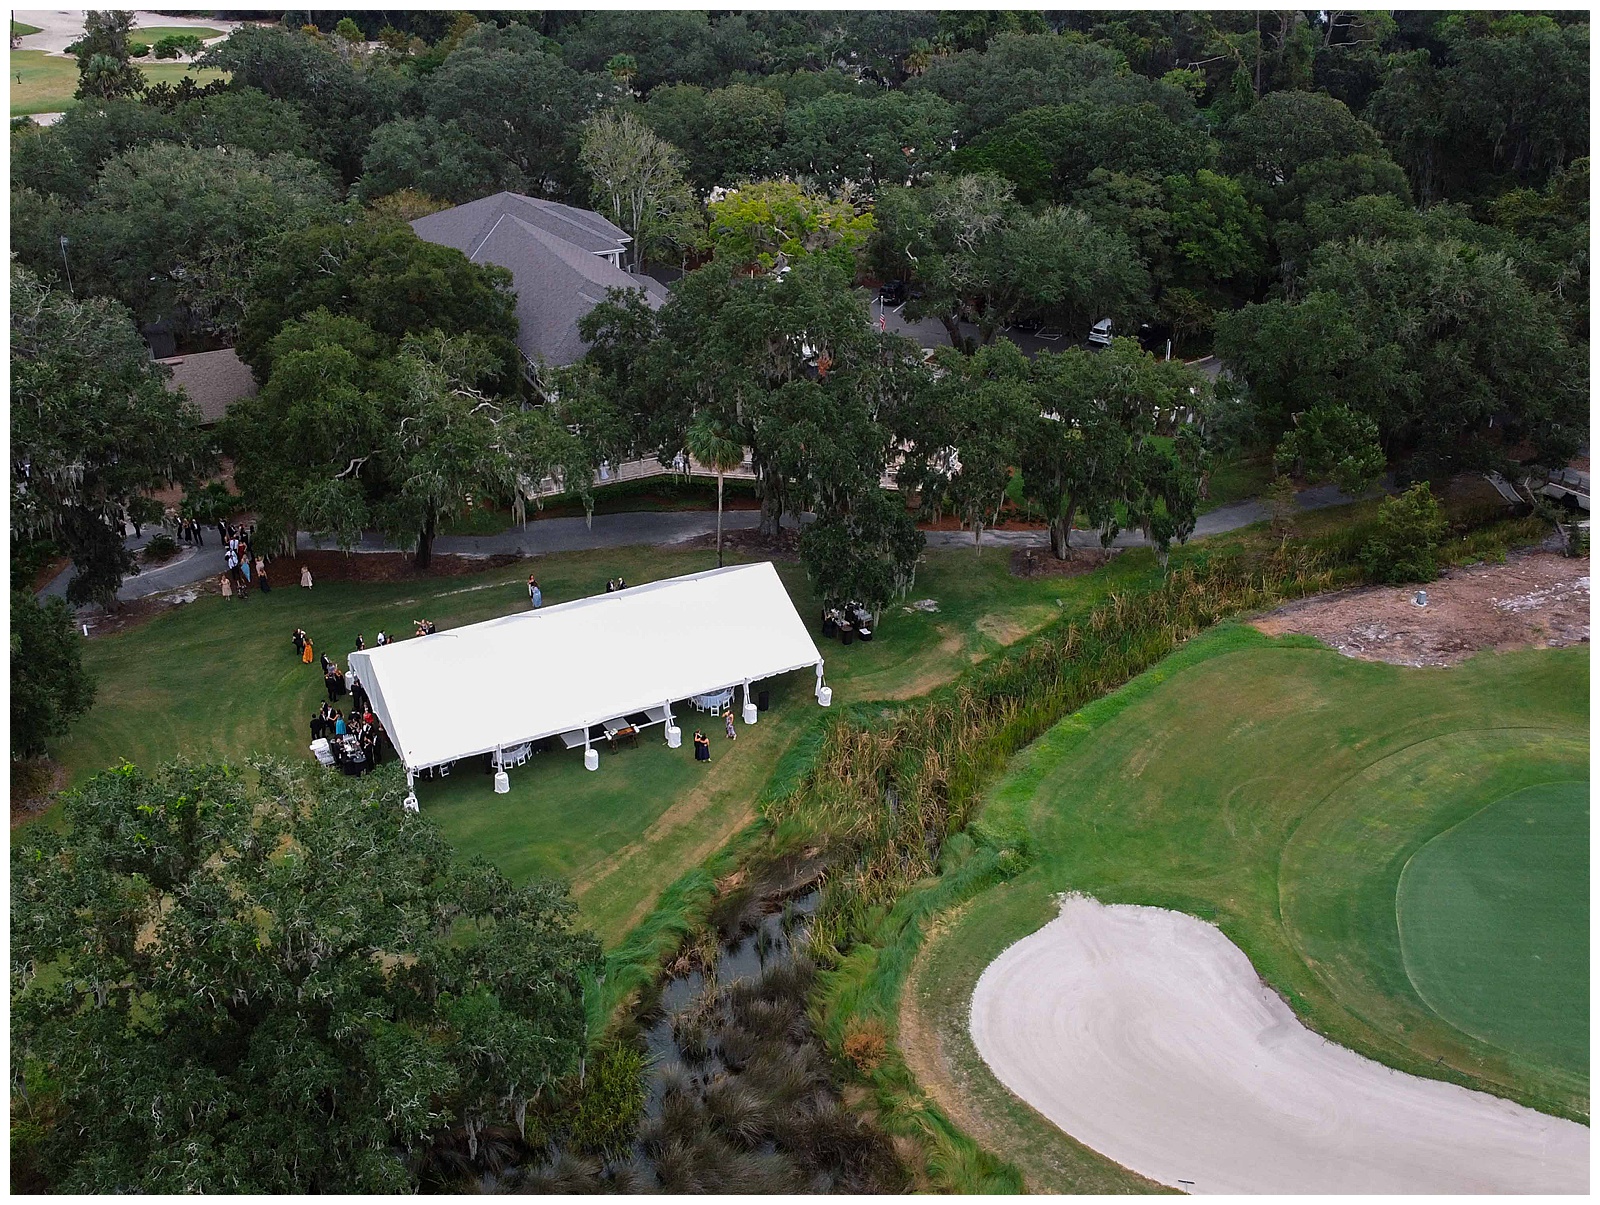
x,y
524,677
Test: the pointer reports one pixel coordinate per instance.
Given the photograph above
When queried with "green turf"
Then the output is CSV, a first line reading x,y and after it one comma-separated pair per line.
x,y
21,29
156,32
1494,924
1278,789
44,83
216,679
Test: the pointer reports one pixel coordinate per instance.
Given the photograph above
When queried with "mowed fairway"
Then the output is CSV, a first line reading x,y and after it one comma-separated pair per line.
x,y
218,679
1279,789
45,83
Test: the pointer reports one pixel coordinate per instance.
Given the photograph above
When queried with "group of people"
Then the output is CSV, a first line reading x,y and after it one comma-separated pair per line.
x,y
360,728
614,585
192,531
702,743
244,567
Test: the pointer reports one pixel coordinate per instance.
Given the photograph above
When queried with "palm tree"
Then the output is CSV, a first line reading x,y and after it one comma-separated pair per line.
x,y
715,451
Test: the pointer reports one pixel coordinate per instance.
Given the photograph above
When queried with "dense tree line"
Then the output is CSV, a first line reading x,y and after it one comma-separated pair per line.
x,y
1283,183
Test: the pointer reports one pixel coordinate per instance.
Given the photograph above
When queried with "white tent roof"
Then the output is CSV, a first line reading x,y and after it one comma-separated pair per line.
x,y
524,677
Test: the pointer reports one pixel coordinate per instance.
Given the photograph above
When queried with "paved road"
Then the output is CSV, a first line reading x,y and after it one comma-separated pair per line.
x,y
541,536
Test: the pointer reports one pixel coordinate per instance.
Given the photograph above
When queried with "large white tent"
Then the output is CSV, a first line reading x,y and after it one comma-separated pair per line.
x,y
562,669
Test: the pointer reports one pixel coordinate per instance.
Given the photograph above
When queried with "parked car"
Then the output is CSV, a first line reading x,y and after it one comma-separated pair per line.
x,y
1100,333
893,292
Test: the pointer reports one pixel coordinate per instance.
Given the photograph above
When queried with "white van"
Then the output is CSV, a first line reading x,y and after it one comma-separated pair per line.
x,y
1100,333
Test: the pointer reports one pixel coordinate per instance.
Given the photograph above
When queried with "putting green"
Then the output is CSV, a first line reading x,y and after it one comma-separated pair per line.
x,y
1494,924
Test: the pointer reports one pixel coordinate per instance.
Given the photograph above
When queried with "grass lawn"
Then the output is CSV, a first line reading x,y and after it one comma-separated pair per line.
x,y
1279,789
21,29
44,83
156,32
216,679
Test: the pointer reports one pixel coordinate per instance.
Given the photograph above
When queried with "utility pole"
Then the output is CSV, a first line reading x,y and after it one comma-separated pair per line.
x,y
68,267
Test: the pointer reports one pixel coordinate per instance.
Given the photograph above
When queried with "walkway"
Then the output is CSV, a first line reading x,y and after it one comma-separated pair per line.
x,y
541,536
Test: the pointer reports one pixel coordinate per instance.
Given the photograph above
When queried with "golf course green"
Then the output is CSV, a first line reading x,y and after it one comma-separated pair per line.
x,y
1283,791
1494,923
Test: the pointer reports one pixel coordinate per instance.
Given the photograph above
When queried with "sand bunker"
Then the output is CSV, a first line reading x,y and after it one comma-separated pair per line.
x,y
1147,1035
1534,599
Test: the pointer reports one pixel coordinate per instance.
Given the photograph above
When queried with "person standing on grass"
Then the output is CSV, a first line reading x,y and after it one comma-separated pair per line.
x,y
727,720
261,576
702,747
535,596
360,642
308,654
305,577
227,587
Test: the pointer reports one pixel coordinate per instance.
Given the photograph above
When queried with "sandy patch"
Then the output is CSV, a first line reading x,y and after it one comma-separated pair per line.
x,y
1535,599
1005,629
1147,1035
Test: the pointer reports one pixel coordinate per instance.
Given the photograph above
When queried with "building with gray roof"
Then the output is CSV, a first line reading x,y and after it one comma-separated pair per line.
x,y
562,261
212,380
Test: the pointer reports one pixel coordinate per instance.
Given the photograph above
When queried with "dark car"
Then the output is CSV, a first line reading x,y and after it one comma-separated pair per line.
x,y
893,292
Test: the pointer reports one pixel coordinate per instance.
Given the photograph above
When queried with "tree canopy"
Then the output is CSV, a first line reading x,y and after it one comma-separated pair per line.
x,y
275,982
93,427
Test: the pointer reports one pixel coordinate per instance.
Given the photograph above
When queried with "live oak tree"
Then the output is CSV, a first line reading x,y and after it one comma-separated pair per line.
x,y
172,229
977,256
93,427
49,686
273,982
964,440
866,553
351,432
1438,342
382,274
1089,448
1334,442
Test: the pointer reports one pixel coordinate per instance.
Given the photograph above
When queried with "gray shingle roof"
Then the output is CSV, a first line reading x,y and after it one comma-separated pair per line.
x,y
466,226
550,250
213,381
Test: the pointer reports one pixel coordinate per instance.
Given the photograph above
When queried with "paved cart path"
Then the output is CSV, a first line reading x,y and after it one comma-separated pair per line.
x,y
540,536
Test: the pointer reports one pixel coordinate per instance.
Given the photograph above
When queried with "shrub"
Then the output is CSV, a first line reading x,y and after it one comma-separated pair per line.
x,y
138,50
1405,543
160,548
865,1043
178,44
612,1100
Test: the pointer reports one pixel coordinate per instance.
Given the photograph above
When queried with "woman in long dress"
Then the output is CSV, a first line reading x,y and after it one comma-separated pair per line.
x,y
307,656
227,587
305,576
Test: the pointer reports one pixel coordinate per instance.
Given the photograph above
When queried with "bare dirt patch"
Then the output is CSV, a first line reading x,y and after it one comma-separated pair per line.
x,y
1536,599
785,546
330,565
1040,562
35,783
